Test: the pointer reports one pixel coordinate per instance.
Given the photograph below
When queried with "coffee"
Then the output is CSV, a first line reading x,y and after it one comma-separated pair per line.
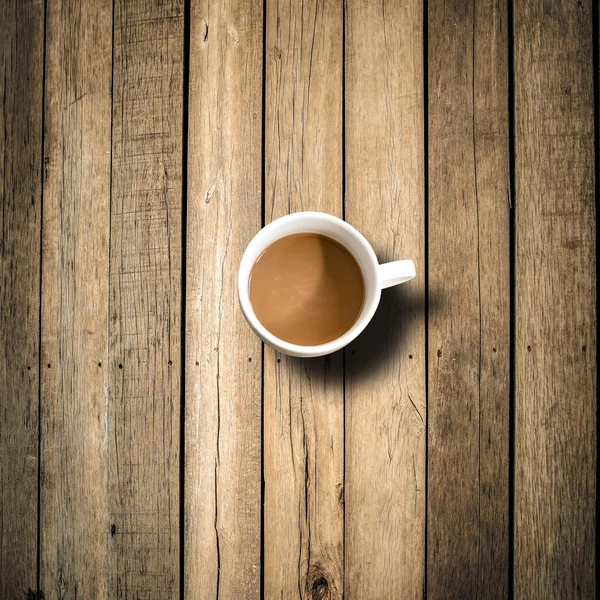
x,y
307,289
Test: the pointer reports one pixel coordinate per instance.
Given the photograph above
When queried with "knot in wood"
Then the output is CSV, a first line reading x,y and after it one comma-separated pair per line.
x,y
320,589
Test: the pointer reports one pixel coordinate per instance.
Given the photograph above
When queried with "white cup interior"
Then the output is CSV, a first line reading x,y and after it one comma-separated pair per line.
x,y
324,224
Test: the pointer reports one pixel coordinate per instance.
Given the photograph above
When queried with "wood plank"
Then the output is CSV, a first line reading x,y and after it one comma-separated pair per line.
x,y
223,356
21,73
74,526
469,323
145,299
385,367
303,399
555,498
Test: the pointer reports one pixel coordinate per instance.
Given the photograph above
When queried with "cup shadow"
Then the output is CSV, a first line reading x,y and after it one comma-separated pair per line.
x,y
402,309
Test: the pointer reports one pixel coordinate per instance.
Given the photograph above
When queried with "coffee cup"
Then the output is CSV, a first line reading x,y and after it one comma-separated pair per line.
x,y
376,276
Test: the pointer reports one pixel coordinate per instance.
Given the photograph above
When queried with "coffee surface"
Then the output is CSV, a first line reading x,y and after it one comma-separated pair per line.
x,y
307,289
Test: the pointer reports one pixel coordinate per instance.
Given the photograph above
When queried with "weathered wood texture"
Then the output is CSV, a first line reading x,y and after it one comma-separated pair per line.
x,y
344,440
21,72
74,527
223,356
555,501
145,300
303,399
469,274
385,367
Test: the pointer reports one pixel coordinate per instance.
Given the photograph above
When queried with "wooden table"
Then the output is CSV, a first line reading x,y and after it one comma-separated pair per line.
x,y
150,446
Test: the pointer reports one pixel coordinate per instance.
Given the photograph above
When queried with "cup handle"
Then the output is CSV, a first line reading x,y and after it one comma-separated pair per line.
x,y
394,273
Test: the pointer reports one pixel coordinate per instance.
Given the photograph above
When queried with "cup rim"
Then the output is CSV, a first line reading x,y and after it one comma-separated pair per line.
x,y
299,350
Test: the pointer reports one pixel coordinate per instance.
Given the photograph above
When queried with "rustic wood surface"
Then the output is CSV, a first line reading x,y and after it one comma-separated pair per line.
x,y
555,491
21,73
74,522
150,445
303,399
385,367
469,273
145,299
223,357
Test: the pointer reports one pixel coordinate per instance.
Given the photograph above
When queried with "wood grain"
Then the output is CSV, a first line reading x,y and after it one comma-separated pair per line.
x,y
556,404
145,300
303,399
74,526
223,356
469,333
21,72
385,366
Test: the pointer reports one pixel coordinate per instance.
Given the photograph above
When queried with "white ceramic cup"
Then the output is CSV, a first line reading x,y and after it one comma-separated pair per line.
x,y
376,276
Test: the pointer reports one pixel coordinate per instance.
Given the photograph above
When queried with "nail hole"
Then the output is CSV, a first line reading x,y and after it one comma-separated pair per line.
x,y
278,360
410,356
528,348
170,362
120,366
48,365
494,350
99,364
583,348
197,363
28,368
249,359
439,353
